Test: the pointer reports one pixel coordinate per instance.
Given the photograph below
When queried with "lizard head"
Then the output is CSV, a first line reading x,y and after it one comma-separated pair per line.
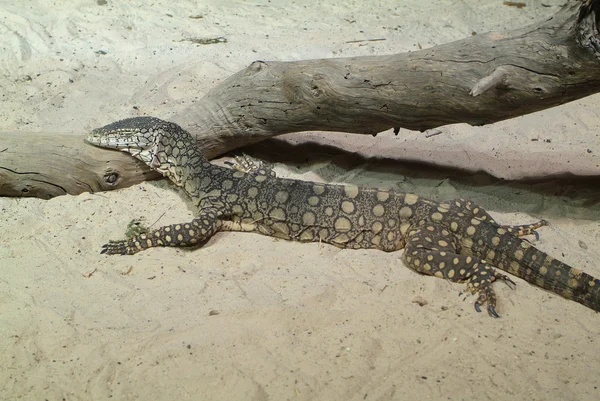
x,y
162,145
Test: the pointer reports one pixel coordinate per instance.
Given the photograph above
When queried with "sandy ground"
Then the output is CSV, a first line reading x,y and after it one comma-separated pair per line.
x,y
250,317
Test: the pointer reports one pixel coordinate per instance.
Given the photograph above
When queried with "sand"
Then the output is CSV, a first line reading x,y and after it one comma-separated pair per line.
x,y
254,318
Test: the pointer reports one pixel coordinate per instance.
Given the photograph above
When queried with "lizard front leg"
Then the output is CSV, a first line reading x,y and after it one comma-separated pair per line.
x,y
185,234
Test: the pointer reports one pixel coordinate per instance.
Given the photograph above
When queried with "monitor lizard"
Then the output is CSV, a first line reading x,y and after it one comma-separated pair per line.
x,y
456,240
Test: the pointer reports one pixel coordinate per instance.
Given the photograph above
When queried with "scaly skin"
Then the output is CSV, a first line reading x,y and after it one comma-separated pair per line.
x,y
456,240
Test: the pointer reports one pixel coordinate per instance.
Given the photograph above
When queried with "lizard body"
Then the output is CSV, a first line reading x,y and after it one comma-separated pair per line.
x,y
455,240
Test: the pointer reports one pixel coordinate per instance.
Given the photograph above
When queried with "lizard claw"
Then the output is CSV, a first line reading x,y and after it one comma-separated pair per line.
x,y
492,311
115,248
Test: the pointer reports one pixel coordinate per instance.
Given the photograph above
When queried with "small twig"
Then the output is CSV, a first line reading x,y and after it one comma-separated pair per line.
x,y
366,40
127,272
160,217
514,4
3,150
432,132
90,274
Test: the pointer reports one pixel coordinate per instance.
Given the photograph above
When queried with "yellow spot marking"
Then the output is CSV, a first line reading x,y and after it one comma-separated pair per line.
x,y
437,216
417,262
405,212
308,219
329,211
281,196
239,174
427,266
543,270
167,229
430,257
361,220
168,238
475,222
392,223
519,254
451,274
378,210
306,236
180,237
471,230
318,189
313,200
341,239
513,268
377,227
227,184
382,196
391,236
410,199
260,178
442,265
347,207
343,224
442,243
501,231
281,228
454,226
455,261
376,240
351,191
495,241
439,274
252,192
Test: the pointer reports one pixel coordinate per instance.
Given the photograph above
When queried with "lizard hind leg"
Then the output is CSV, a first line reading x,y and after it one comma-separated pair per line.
x,y
526,229
479,213
185,234
429,250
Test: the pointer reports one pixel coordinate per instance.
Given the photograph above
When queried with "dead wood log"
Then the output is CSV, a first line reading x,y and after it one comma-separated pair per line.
x,y
478,80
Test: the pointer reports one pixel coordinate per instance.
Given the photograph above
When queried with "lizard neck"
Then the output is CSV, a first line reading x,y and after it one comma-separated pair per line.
x,y
204,182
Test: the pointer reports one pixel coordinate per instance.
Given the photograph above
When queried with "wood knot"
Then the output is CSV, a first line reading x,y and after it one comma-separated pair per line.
x,y
111,177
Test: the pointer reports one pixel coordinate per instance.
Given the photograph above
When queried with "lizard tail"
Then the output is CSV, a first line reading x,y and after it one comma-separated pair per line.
x,y
540,269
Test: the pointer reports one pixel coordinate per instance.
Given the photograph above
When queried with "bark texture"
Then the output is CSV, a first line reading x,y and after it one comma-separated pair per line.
x,y
478,80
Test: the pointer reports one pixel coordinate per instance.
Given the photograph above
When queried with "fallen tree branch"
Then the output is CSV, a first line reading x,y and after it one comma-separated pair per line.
x,y
478,80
